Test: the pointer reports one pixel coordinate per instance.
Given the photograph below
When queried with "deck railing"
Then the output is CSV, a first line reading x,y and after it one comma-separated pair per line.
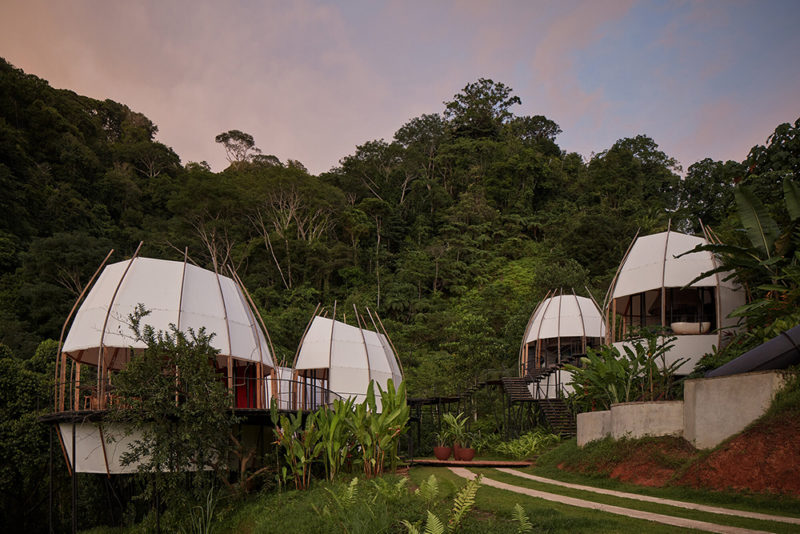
x,y
246,393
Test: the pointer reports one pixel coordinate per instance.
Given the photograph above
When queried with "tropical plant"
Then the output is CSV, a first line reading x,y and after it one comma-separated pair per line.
x,y
443,438
768,267
169,398
201,518
524,522
377,433
456,426
463,502
527,445
337,440
607,376
300,442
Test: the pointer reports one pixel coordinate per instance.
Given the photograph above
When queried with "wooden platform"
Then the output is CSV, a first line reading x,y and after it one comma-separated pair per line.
x,y
477,462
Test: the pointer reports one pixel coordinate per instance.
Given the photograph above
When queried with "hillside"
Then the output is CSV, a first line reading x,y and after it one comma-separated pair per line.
x,y
452,230
763,458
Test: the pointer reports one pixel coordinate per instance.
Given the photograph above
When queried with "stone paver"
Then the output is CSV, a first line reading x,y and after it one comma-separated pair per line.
x,y
627,512
658,500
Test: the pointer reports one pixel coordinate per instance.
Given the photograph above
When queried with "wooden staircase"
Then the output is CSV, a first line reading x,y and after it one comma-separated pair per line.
x,y
517,389
558,417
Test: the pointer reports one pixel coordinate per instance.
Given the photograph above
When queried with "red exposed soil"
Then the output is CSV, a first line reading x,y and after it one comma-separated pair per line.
x,y
765,458
651,463
654,464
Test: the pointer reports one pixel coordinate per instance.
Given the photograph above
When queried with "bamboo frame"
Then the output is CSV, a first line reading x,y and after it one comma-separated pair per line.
x,y
59,399
663,280
364,341
101,359
389,339
611,325
523,353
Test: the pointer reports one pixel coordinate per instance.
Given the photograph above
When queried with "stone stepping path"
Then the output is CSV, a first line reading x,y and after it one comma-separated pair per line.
x,y
618,510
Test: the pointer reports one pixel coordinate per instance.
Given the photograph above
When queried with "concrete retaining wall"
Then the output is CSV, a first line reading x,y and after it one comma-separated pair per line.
x,y
713,409
639,419
593,425
717,408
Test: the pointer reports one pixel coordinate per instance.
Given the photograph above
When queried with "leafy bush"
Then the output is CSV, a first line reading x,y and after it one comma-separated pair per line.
x,y
333,435
641,373
527,445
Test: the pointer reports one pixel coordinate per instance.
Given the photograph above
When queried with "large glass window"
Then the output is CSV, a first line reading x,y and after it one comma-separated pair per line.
x,y
687,311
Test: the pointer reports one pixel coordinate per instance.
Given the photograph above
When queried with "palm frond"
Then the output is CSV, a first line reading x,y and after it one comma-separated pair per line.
x,y
762,230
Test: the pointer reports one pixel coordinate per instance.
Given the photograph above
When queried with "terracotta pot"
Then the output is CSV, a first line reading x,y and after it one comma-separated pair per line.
x,y
442,453
465,454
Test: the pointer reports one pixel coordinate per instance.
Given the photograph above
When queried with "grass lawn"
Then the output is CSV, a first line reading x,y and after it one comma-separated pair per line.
x,y
546,466
494,509
754,524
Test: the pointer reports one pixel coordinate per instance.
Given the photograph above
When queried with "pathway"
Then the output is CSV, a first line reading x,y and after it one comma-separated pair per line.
x,y
619,510
658,500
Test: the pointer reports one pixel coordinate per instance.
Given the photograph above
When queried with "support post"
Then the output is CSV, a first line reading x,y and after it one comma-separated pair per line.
x,y
74,484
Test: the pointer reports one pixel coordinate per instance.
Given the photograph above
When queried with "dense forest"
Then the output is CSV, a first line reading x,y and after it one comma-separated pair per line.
x,y
452,230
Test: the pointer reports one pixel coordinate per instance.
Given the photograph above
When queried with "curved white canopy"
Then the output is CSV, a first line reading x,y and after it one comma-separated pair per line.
x,y
351,355
174,293
652,263
565,316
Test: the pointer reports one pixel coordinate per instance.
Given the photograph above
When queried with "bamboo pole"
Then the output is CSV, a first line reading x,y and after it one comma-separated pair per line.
x,y
59,398
101,363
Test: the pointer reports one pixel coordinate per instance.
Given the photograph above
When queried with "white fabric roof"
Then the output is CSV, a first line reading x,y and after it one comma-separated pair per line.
x,y
175,293
652,259
352,355
565,316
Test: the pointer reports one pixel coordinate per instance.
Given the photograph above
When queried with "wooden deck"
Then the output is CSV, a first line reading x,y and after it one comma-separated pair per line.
x,y
477,462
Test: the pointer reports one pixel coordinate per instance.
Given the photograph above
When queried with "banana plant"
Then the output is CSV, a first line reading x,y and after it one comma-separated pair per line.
x,y
300,442
377,433
337,441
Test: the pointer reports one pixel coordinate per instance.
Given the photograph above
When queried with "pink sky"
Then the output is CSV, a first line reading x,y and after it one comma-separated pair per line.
x,y
311,80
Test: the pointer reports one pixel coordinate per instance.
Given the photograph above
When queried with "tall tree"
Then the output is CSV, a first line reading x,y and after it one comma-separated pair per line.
x,y
480,108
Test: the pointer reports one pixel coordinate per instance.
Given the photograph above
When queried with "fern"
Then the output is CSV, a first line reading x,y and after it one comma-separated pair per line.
x,y
525,524
410,527
433,525
429,489
463,503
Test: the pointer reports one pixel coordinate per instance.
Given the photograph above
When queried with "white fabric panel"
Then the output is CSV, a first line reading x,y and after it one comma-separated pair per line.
x,y
729,300
348,350
314,352
241,331
645,265
284,376
378,359
356,356
349,371
89,447
349,382
397,373
574,309
681,271
88,324
257,337
157,285
202,306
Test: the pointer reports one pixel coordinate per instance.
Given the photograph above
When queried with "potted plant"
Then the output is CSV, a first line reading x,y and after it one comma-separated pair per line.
x,y
442,449
456,428
466,452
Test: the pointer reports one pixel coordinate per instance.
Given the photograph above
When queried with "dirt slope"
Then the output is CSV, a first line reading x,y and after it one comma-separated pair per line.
x,y
764,458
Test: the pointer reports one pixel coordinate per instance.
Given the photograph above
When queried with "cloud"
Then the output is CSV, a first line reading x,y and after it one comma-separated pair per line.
x,y
554,60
